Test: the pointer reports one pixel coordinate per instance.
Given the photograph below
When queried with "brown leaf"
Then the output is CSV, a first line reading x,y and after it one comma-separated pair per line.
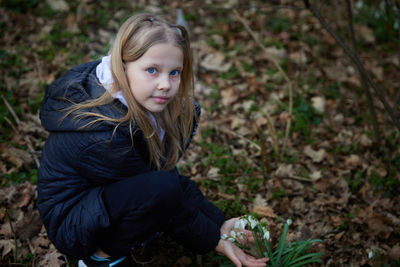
x,y
51,259
40,245
25,193
285,170
394,252
215,62
264,211
5,230
7,246
319,102
183,261
29,226
316,156
353,161
229,96
376,223
365,32
17,157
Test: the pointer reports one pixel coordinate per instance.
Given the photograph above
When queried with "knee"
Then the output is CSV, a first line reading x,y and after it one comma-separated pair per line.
x,y
169,195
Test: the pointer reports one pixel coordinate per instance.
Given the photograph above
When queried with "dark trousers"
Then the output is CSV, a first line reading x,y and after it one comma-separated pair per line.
x,y
138,208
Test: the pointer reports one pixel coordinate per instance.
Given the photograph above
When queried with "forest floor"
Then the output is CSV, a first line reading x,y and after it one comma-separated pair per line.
x,y
329,173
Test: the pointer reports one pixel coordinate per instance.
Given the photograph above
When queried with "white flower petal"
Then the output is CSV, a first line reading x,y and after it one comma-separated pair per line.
x,y
266,235
370,255
224,236
289,222
233,234
243,223
253,222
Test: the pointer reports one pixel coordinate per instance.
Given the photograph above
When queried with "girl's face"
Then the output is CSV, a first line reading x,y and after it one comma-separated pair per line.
x,y
154,78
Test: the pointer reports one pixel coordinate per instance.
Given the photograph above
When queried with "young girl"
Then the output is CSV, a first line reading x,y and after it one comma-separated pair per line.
x,y
108,182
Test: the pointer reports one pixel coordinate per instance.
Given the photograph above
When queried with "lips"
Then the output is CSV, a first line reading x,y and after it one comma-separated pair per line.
x,y
160,99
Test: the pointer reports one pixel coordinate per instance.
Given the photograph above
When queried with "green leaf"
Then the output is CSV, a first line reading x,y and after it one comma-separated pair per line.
x,y
281,244
315,257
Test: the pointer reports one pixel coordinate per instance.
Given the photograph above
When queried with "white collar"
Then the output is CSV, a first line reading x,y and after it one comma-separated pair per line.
x,y
103,73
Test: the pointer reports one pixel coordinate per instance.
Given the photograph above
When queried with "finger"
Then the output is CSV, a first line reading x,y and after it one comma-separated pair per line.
x,y
254,263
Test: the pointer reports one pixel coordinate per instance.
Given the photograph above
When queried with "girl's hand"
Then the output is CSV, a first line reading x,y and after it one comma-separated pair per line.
x,y
234,253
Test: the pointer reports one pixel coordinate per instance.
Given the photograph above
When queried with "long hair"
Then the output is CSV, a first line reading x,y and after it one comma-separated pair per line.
x,y
136,35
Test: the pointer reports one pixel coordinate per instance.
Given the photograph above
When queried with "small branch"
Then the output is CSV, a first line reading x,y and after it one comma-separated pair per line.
x,y
356,61
11,110
11,124
299,178
274,136
225,130
27,139
362,78
275,62
14,234
32,151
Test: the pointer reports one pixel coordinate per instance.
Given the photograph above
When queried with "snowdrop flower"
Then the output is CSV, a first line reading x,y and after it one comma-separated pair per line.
x,y
266,233
233,234
231,239
289,222
224,237
252,221
240,235
370,254
241,223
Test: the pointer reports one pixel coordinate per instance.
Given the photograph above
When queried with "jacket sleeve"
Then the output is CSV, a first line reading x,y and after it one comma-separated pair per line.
x,y
73,214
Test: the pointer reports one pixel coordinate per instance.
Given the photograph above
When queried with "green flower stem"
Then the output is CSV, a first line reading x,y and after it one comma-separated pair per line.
x,y
281,244
257,241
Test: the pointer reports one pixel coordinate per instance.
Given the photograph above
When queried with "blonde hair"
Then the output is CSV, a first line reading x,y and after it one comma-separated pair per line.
x,y
136,35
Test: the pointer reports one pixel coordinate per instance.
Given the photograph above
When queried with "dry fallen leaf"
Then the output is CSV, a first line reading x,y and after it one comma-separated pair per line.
x,y
315,175
264,211
58,5
51,259
229,96
215,62
318,102
316,156
213,172
259,201
183,261
285,170
394,252
7,246
17,157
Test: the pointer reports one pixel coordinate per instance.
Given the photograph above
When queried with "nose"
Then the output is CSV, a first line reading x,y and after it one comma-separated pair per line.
x,y
164,83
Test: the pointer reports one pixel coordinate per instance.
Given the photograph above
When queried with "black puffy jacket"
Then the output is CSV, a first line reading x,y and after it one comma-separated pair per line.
x,y
77,163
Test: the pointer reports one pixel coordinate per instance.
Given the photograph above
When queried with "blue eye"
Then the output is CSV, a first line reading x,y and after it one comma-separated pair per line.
x,y
174,73
151,70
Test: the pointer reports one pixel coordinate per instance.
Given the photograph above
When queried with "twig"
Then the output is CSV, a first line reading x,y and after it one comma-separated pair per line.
x,y
275,62
11,110
13,232
33,153
380,94
362,78
274,136
11,124
27,139
225,130
39,69
299,178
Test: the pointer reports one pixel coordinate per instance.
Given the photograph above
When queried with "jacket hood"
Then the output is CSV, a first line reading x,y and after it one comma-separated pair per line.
x,y
78,85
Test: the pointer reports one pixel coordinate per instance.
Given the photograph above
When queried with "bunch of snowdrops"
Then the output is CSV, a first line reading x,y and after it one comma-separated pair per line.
x,y
284,254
